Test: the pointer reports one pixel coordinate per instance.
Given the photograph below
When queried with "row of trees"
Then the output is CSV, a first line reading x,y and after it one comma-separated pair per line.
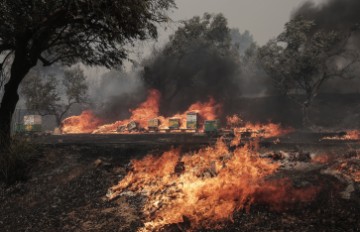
x,y
203,55
94,32
44,94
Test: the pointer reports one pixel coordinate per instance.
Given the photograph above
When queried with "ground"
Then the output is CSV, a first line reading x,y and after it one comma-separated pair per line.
x,y
67,186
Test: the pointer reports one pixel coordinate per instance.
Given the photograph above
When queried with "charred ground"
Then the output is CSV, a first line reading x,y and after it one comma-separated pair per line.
x,y
67,186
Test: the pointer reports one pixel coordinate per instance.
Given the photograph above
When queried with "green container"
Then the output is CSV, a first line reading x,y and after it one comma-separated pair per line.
x,y
211,126
32,128
174,123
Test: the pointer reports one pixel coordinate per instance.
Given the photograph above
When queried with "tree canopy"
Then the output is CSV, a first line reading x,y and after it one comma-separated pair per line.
x,y
199,61
43,94
94,32
303,57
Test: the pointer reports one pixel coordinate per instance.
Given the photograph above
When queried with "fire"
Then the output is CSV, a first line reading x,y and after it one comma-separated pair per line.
x,y
140,116
349,135
210,185
146,110
86,122
209,110
321,159
257,130
204,187
280,194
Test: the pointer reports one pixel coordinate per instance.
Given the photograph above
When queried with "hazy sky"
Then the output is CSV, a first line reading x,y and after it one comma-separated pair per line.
x,y
265,19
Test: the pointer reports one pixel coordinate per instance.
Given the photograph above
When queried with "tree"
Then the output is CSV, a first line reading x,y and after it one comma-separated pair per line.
x,y
42,93
198,61
243,41
94,32
302,58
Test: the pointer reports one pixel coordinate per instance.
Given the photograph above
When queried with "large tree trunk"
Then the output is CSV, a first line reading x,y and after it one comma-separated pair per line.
x,y
20,67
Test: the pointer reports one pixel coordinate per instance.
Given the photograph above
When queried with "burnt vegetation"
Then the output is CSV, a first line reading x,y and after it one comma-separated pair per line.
x,y
300,179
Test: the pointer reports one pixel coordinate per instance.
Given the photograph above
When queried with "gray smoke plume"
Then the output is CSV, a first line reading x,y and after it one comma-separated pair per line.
x,y
337,15
115,93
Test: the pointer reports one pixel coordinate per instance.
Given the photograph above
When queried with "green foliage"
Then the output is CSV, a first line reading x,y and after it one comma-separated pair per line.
x,y
41,92
93,31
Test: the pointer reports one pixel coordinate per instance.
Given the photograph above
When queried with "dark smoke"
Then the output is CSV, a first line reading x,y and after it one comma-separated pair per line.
x,y
116,93
199,61
341,16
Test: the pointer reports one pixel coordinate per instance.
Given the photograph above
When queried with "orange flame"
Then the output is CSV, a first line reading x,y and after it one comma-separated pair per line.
x,y
280,194
206,187
349,135
85,123
257,130
209,187
141,115
146,110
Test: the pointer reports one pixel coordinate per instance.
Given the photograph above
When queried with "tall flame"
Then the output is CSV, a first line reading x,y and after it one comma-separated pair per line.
x,y
146,110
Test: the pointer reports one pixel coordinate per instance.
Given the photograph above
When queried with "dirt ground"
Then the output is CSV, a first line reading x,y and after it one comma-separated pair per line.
x,y
67,186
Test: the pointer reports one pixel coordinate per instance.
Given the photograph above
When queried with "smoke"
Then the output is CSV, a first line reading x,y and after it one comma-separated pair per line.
x,y
338,15
115,92
341,16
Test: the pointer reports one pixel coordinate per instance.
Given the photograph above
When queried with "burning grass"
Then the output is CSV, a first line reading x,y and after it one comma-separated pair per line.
x,y
148,111
348,135
205,188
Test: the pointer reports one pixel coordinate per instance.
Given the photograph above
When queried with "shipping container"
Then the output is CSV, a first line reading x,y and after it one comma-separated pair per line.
x,y
192,120
174,123
153,124
211,126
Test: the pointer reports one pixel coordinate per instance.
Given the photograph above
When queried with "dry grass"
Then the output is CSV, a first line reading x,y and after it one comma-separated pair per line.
x,y
14,160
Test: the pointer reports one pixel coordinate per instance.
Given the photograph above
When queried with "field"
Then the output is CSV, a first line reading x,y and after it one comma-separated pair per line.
x,y
68,183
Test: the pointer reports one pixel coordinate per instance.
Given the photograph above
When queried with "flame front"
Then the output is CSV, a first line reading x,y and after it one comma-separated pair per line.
x,y
349,135
146,110
206,186
84,123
